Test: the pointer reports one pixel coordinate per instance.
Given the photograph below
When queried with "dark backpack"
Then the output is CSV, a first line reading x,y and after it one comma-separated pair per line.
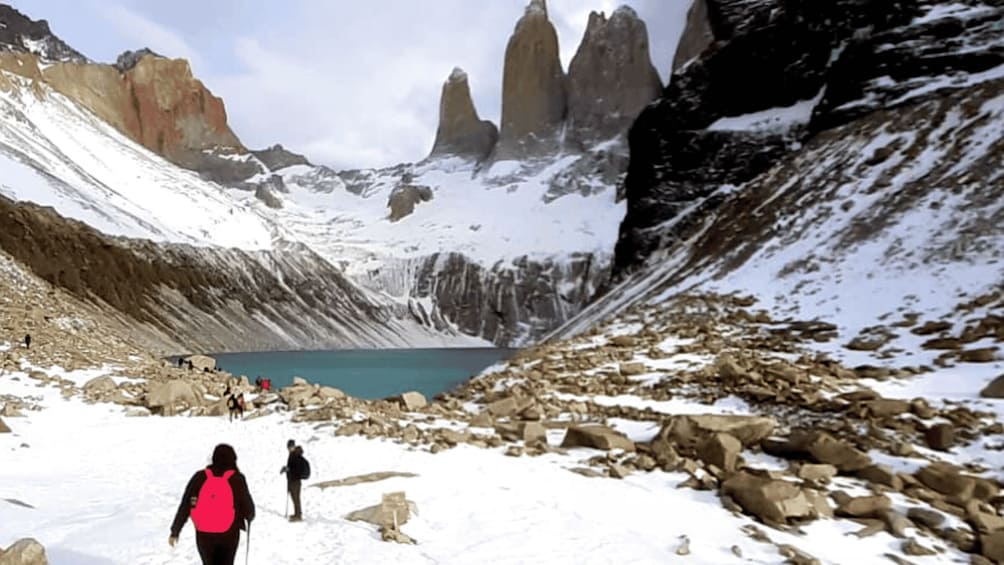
x,y
214,508
306,470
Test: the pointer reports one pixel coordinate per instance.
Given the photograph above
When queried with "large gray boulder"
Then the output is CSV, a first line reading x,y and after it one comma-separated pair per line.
x,y
394,510
596,436
172,396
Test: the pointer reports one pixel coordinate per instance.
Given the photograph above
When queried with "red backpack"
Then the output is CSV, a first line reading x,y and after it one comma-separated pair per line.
x,y
214,508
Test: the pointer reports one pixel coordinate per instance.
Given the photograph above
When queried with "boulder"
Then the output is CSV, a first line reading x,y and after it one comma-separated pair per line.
x,y
300,381
24,552
992,546
981,355
482,420
772,501
994,389
688,429
393,511
817,473
926,517
533,433
940,436
172,395
632,369
100,385
721,450
947,480
597,437
846,458
887,407
4,429
983,521
624,341
504,407
881,475
863,506
329,393
201,362
412,401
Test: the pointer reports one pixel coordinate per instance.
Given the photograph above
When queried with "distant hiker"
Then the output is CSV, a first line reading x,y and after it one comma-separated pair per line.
x,y
266,385
233,407
258,383
297,470
220,505
27,341
181,362
241,405
190,366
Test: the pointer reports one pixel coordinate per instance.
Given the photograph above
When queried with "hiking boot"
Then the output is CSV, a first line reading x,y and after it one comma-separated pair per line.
x,y
296,518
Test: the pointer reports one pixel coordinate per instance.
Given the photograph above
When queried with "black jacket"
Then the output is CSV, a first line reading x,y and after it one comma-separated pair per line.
x,y
296,465
243,504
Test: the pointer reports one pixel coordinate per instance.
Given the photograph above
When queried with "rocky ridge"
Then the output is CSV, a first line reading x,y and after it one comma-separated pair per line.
x,y
839,62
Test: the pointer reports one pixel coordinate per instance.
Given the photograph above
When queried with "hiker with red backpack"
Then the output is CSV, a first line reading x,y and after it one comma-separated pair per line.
x,y
220,505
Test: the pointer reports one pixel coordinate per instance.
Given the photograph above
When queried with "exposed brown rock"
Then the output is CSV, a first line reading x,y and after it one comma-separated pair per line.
x,y
863,506
721,450
157,102
686,430
597,437
825,449
404,198
4,429
413,401
773,501
992,546
461,132
534,98
24,552
994,389
610,78
980,355
940,436
697,36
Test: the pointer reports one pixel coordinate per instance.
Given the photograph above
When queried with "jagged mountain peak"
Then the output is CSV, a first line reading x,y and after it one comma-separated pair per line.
x,y
129,59
461,132
611,77
536,9
22,34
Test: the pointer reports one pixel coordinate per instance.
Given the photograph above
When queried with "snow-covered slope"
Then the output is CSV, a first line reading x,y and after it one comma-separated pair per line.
x,y
898,212
55,153
220,274
505,251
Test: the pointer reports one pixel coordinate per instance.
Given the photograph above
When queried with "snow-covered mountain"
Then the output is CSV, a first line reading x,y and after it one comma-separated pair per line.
x,y
866,183
442,244
189,263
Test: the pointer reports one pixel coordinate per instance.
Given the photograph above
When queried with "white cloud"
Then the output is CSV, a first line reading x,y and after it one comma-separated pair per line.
x,y
144,32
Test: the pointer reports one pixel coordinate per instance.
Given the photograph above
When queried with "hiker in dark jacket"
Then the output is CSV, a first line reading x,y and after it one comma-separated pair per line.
x,y
27,341
218,543
295,469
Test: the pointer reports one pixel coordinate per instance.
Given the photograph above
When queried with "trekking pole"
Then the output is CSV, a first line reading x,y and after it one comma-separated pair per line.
x,y
247,555
285,514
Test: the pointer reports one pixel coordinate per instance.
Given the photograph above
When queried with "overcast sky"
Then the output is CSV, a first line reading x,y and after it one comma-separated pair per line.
x,y
349,84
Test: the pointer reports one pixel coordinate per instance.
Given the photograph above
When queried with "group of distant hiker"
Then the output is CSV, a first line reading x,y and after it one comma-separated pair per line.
x,y
219,502
264,385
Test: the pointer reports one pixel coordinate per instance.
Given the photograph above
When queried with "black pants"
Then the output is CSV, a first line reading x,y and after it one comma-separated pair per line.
x,y
294,491
218,549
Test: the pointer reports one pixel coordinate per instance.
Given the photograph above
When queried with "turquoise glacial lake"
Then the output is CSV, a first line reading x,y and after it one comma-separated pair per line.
x,y
367,373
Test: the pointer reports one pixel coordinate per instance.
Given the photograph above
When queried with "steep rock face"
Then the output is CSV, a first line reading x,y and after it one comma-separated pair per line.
x,y
183,298
511,303
461,132
697,35
156,102
824,62
611,77
534,98
20,33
